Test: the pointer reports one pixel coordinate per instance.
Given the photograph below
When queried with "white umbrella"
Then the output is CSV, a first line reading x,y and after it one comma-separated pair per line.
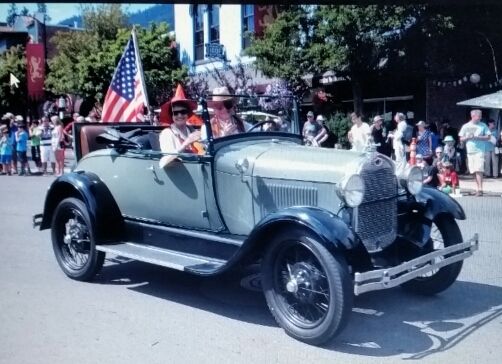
x,y
490,101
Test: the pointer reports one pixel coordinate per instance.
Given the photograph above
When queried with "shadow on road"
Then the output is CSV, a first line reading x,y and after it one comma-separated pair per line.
x,y
383,323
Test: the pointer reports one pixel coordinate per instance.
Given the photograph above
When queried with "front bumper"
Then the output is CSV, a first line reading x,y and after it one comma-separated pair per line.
x,y
391,277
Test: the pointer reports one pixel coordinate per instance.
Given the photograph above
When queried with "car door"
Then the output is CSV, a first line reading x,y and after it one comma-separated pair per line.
x,y
175,195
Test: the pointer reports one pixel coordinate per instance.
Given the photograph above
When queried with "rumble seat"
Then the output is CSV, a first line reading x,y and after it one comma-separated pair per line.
x,y
88,136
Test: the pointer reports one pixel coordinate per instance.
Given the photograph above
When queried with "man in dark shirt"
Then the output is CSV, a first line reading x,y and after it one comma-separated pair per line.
x,y
430,173
379,135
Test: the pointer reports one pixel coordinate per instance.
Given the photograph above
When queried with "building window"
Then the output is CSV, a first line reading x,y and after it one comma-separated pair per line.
x,y
247,25
214,23
198,33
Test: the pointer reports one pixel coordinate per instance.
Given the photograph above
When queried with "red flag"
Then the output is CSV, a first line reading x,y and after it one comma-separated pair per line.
x,y
263,16
125,99
35,69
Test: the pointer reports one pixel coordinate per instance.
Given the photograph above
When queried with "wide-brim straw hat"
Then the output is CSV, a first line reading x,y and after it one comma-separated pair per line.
x,y
219,95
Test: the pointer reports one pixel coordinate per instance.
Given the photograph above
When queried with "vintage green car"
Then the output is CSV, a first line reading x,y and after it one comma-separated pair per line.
x,y
324,224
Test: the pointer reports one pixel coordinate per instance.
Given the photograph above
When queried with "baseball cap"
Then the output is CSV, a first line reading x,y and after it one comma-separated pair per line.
x,y
419,156
421,123
448,138
310,113
320,118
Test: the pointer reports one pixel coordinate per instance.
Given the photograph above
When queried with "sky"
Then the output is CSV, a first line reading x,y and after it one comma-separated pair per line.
x,y
62,11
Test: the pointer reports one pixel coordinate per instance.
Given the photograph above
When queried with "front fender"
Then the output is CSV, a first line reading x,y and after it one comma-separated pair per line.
x,y
333,233
437,202
101,206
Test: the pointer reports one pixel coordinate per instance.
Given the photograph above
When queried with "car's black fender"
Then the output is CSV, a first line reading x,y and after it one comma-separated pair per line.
x,y
103,210
415,215
332,231
437,202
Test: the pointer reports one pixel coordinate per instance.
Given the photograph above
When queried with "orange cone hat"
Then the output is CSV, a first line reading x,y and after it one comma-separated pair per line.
x,y
165,116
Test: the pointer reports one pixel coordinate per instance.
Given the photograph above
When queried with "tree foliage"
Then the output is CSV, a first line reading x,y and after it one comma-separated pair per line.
x,y
12,98
352,40
86,60
42,8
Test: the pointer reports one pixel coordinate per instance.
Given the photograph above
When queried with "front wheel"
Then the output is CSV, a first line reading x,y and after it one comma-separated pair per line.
x,y
444,233
73,241
307,288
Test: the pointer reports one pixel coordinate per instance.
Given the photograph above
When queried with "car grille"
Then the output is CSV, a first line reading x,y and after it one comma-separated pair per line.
x,y
376,223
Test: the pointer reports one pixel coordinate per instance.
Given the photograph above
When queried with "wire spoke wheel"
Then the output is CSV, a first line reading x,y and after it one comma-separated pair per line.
x,y
303,284
73,242
308,289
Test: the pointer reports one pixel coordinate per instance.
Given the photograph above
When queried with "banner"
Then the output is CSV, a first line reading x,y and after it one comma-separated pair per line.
x,y
263,16
35,69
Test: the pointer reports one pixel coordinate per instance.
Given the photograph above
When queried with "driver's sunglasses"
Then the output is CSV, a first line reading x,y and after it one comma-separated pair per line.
x,y
227,104
180,112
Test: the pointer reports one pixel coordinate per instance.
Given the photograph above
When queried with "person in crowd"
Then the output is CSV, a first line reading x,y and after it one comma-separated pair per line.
x,y
179,137
314,132
446,129
358,134
430,173
225,121
450,153
379,135
448,179
13,129
424,142
475,135
35,144
46,152
57,143
22,148
283,124
6,150
491,158
437,160
398,143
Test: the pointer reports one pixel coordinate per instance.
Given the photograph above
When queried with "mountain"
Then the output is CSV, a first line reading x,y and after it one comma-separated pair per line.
x,y
157,13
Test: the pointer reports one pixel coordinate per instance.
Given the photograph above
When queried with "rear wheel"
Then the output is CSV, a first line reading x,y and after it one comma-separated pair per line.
x,y
73,241
444,233
307,288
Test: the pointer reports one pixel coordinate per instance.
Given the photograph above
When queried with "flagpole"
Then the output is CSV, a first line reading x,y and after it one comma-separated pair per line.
x,y
140,67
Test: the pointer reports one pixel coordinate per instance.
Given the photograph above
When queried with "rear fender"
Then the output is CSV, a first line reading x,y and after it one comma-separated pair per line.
x,y
103,210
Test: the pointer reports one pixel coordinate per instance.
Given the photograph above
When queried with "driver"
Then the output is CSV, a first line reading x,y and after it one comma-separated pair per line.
x,y
225,121
179,137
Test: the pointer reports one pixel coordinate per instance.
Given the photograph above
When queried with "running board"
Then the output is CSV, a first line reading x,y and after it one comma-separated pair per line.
x,y
164,257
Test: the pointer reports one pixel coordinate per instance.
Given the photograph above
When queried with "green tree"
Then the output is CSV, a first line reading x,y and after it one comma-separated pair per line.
x,y
42,8
352,40
11,14
13,98
86,60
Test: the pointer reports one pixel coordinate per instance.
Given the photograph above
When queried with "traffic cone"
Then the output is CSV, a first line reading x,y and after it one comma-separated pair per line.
x,y
413,152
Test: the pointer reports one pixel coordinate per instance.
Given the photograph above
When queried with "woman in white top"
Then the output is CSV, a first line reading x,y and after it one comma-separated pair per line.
x,y
178,137
57,143
359,133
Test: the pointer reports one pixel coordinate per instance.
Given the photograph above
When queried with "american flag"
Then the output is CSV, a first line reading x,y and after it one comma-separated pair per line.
x,y
125,98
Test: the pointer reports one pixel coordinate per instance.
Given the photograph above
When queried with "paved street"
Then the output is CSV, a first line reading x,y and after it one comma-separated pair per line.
x,y
139,313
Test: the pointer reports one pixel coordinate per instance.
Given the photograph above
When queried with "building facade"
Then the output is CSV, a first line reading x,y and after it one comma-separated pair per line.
x,y
213,36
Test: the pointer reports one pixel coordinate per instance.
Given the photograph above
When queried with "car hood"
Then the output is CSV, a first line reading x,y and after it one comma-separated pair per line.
x,y
289,160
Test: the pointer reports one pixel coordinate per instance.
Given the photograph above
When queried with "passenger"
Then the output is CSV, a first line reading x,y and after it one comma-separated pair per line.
x,y
225,121
178,137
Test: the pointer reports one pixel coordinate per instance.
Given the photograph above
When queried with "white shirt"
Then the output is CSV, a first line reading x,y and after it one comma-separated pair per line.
x,y
398,134
360,136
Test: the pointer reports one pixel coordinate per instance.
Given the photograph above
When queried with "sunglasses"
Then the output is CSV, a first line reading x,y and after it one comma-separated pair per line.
x,y
227,104
180,112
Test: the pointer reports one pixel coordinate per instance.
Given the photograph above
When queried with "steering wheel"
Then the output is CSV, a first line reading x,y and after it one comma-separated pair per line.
x,y
257,125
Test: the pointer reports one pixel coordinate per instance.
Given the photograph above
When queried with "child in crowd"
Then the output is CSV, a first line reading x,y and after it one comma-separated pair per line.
x,y
448,178
6,149
22,148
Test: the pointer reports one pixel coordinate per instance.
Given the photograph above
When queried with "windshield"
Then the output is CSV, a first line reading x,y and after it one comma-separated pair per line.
x,y
236,114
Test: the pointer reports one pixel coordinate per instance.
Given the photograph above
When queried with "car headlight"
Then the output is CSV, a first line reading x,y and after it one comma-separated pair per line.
x,y
352,190
415,180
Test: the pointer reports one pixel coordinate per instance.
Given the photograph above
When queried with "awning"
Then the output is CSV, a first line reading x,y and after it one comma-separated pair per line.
x,y
490,101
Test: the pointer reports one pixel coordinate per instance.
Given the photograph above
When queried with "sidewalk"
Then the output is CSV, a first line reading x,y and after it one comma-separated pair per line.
x,y
491,186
